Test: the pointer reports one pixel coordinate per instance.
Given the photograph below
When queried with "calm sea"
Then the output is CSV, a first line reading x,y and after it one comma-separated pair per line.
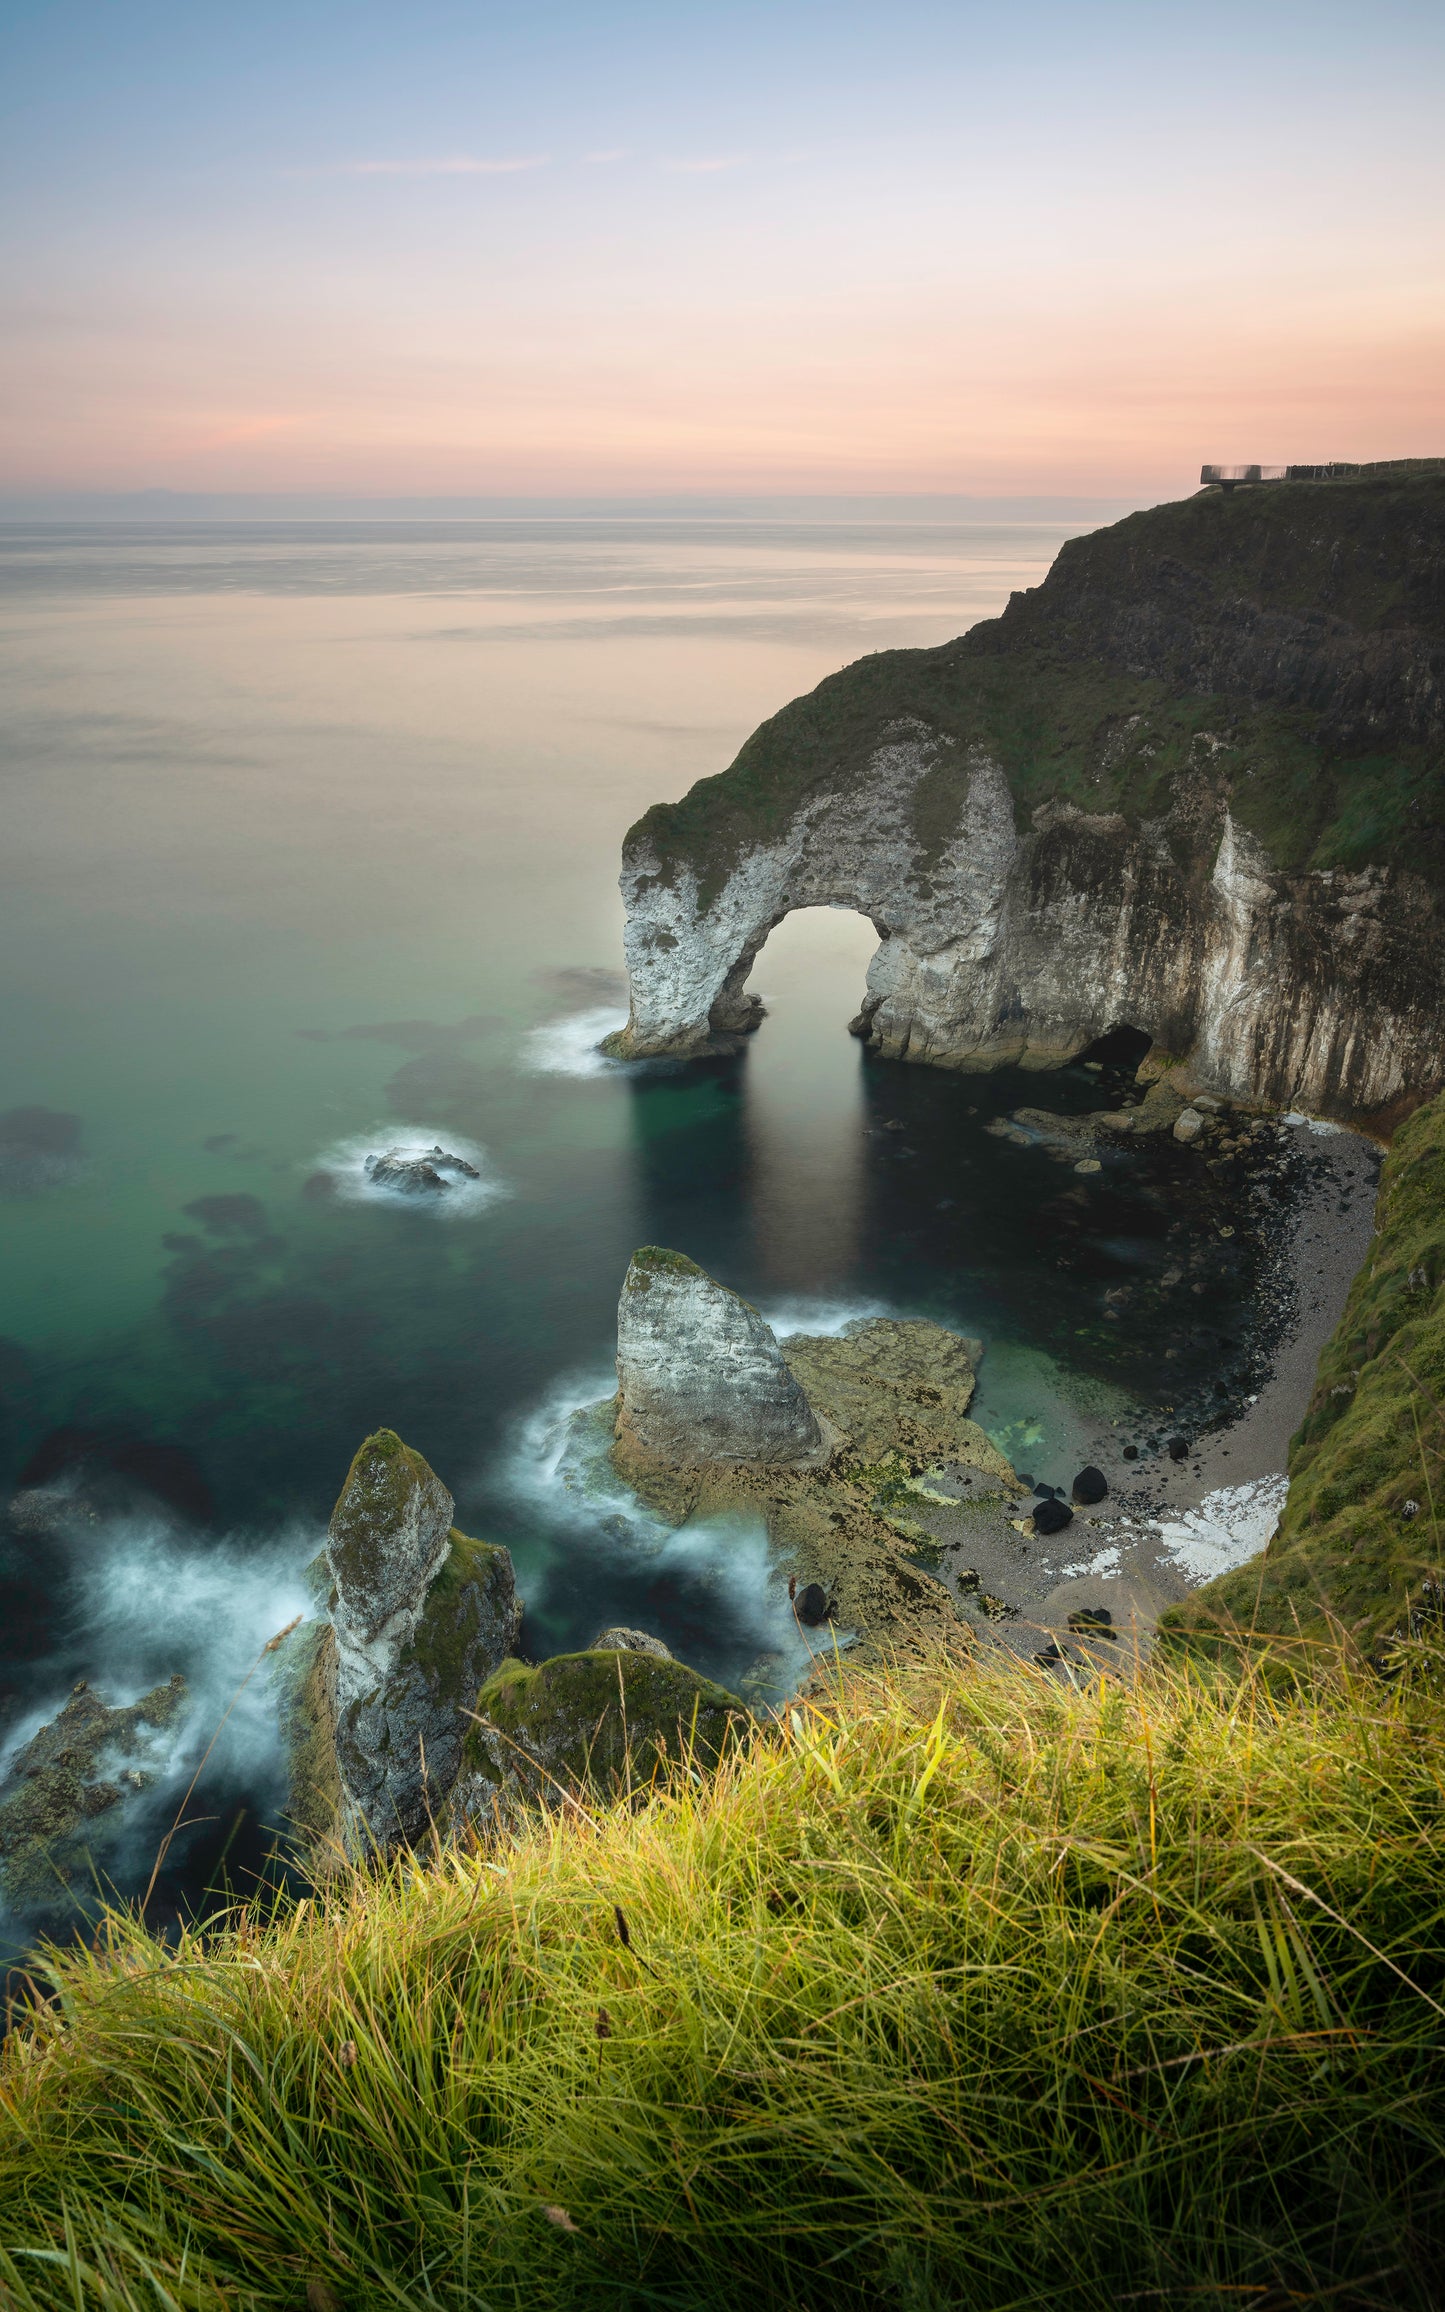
x,y
311,837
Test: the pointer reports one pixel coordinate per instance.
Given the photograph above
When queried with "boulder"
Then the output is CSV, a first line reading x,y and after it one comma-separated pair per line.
x,y
700,1376
1090,1485
1188,1124
620,1641
811,1605
421,1615
1051,1516
584,1725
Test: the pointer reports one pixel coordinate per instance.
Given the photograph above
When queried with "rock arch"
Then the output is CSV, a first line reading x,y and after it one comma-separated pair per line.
x,y
1013,939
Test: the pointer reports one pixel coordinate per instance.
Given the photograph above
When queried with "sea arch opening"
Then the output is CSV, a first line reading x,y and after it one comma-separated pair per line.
x,y
806,1116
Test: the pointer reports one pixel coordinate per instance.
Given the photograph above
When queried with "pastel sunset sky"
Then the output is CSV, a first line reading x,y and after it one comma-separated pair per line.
x,y
772,245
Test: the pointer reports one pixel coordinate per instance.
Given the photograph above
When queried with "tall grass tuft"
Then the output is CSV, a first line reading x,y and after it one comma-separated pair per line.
x,y
958,1989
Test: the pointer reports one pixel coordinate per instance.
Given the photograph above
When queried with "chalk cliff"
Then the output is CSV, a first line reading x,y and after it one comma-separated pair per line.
x,y
1191,784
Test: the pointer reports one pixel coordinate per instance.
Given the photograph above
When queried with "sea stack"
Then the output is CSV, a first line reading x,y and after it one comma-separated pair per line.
x,y
422,1615
700,1375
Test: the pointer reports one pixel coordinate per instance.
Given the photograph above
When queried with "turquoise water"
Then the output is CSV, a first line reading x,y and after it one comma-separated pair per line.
x,y
311,845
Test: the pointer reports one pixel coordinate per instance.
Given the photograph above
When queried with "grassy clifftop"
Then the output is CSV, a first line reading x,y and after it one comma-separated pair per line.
x,y
961,1991
1288,642
1361,1532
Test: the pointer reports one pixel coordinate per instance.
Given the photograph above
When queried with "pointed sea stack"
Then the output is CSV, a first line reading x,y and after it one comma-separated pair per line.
x,y
700,1376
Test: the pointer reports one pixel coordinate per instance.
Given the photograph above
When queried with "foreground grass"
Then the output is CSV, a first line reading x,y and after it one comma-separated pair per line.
x,y
960,1990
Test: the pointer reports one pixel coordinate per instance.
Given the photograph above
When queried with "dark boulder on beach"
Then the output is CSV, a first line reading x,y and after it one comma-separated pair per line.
x,y
1052,1516
1090,1486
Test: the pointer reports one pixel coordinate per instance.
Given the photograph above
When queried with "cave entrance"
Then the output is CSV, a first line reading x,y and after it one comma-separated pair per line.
x,y
804,1096
1121,1047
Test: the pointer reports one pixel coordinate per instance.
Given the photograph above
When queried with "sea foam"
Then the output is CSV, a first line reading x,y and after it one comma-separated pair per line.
x,y
570,1046
463,1199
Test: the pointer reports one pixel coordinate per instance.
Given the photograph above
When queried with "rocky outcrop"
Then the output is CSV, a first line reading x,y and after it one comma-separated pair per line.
x,y
889,1399
431,1173
66,1790
700,1376
580,1725
420,1617
1191,784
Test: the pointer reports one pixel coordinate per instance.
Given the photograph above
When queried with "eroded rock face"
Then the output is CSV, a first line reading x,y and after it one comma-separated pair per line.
x,y
896,1385
1189,784
700,1376
421,1615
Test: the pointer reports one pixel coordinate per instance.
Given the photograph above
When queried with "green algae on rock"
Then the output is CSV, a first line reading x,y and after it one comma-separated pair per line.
x,y
599,1722
388,1532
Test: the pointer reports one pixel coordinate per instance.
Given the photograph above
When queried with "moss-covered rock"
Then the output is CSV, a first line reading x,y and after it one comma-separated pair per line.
x,y
388,1533
601,1721
1362,1532
374,1704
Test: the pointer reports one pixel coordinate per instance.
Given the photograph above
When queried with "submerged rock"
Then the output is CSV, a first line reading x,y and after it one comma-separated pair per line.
x,y
598,1722
421,1614
418,1175
700,1375
82,1766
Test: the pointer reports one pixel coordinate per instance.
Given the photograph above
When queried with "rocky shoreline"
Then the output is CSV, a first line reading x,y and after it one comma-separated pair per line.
x,y
1167,1525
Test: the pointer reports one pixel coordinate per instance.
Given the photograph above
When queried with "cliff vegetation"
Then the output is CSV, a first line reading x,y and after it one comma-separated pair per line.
x,y
1290,639
956,1989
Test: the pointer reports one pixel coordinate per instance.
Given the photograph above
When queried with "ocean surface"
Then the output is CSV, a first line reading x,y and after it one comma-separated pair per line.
x,y
310,843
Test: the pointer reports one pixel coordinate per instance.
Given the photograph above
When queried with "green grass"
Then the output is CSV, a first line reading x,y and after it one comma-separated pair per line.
x,y
1364,1525
956,1990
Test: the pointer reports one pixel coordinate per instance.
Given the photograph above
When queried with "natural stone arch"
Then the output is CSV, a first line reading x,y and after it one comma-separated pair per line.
x,y
1013,937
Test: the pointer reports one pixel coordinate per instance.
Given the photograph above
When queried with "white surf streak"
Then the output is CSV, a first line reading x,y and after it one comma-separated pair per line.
x,y
569,1047
559,1466
829,1318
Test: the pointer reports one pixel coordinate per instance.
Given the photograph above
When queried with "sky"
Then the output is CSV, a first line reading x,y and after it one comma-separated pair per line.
x,y
789,246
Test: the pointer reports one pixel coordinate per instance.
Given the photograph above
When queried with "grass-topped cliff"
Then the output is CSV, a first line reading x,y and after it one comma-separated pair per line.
x,y
1361,1536
1289,641
960,1990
